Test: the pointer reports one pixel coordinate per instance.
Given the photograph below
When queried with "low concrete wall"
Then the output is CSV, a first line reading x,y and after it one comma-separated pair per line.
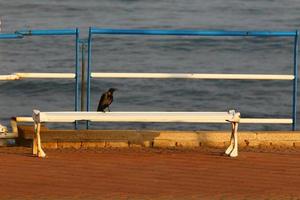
x,y
136,138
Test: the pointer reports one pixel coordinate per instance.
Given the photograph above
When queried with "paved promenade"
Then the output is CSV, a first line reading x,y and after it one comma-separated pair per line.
x,y
149,173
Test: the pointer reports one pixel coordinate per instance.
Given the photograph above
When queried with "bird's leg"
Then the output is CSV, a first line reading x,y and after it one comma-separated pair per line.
x,y
108,109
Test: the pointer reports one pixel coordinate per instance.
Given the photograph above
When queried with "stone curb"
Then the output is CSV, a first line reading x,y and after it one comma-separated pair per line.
x,y
136,138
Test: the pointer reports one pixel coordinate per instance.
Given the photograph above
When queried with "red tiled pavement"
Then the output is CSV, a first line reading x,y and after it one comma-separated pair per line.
x,y
149,174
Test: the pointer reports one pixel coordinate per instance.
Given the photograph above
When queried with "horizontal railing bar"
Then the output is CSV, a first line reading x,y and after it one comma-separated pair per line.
x,y
24,119
191,32
192,76
47,32
271,33
10,36
8,77
17,76
46,75
266,120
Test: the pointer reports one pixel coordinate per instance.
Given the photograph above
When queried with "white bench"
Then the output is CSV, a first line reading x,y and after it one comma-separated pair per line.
x,y
190,117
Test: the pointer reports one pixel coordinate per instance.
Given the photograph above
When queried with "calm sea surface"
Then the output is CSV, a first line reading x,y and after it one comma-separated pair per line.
x,y
153,54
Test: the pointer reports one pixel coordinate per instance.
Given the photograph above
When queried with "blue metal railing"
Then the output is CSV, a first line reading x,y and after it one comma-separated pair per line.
x,y
10,36
63,32
77,72
294,34
192,32
295,85
59,32
47,32
96,31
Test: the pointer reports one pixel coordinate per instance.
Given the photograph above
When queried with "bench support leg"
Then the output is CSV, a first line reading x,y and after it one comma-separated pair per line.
x,y
34,143
232,150
40,152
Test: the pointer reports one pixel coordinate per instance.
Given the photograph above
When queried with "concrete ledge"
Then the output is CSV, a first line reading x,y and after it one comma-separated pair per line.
x,y
142,138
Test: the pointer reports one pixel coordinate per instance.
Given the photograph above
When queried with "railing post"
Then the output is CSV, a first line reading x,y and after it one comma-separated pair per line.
x,y
295,86
83,76
76,73
88,96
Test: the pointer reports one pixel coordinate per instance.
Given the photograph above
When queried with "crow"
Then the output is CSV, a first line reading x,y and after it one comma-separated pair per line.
x,y
105,100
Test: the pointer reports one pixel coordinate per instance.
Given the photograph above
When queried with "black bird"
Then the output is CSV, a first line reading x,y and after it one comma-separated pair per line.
x,y
106,99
